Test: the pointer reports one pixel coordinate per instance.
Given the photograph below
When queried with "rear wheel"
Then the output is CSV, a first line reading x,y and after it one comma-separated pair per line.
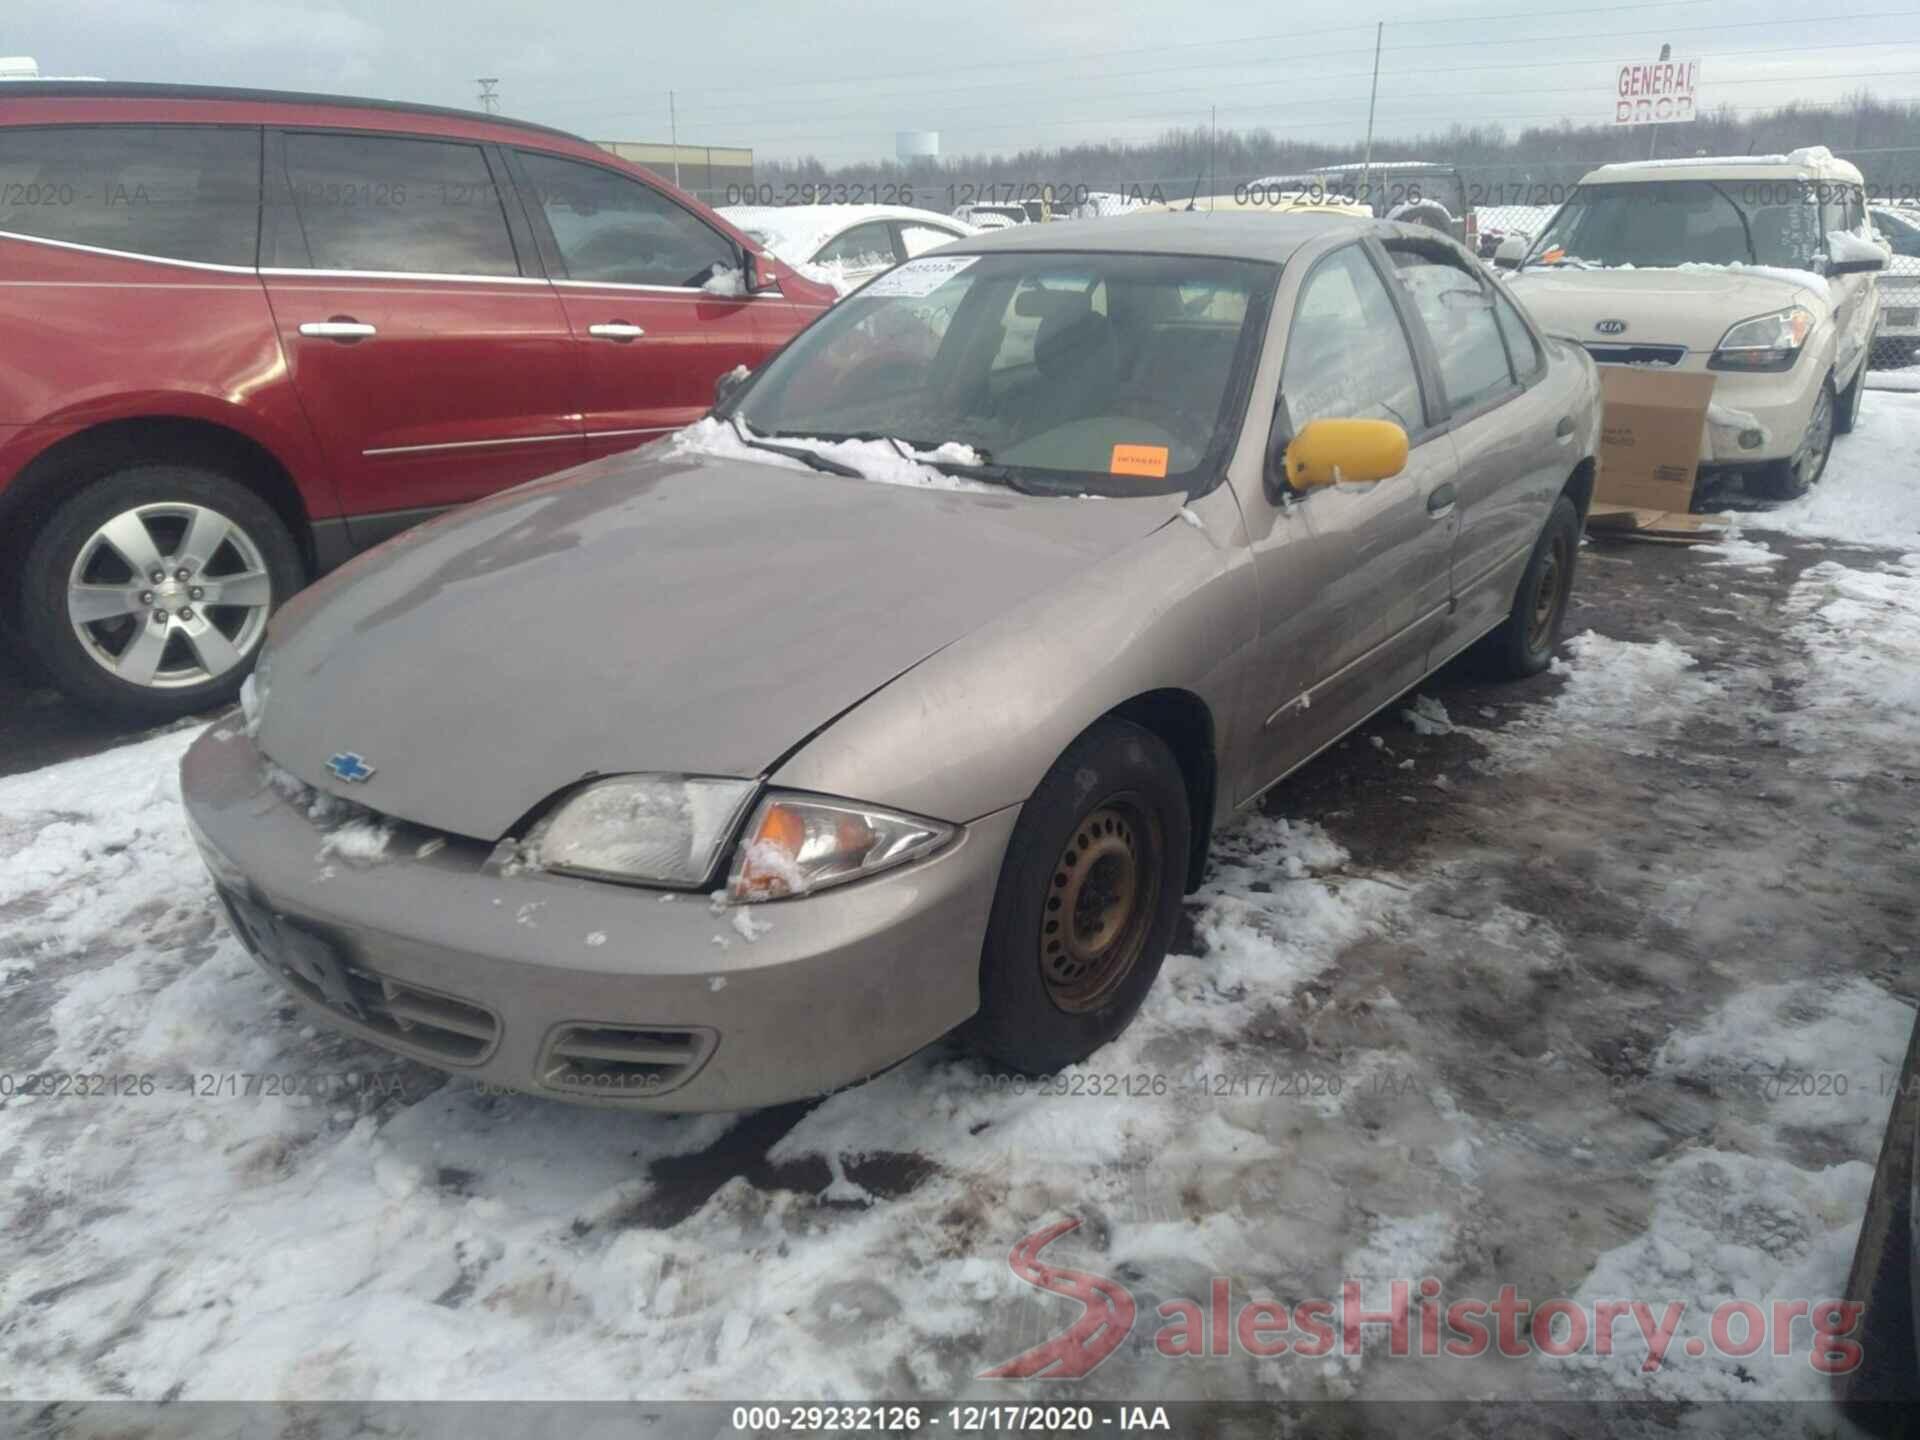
x,y
1524,645
151,589
1791,478
1089,894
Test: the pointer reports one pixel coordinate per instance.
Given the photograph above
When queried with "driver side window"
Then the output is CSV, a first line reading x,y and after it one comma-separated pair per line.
x,y
1347,352
618,231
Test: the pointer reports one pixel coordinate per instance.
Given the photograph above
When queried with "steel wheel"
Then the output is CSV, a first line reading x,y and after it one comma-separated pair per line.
x,y
1100,906
169,595
1556,575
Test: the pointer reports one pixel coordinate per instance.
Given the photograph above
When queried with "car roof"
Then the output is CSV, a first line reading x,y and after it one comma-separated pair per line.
x,y
1807,163
821,223
1238,236
223,94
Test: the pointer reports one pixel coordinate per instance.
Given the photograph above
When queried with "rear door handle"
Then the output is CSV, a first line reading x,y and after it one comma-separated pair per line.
x,y
615,330
337,330
1440,502
1564,430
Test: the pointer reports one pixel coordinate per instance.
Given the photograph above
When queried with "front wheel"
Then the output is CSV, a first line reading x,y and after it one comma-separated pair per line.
x,y
1793,477
1847,414
150,589
1089,894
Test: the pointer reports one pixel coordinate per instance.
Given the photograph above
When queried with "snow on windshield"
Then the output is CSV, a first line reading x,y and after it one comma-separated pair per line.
x,y
885,462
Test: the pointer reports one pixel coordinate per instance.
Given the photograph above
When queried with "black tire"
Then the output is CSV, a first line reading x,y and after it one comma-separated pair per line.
x,y
1883,1395
192,671
1791,478
1846,414
1051,997
1525,643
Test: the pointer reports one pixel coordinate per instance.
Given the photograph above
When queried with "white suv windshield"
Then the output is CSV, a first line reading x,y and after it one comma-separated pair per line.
x,y
1674,222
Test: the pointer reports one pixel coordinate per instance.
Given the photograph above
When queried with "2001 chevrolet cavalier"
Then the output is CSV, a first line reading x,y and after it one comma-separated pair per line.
x,y
1195,495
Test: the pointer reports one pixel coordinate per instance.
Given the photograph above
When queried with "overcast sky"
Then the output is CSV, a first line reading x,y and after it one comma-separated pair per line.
x,y
837,79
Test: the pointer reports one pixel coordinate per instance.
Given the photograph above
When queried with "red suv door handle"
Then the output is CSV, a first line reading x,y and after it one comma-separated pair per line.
x,y
616,330
343,328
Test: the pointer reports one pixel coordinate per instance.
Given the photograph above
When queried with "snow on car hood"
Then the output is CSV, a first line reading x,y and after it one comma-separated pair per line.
x,y
658,611
1692,305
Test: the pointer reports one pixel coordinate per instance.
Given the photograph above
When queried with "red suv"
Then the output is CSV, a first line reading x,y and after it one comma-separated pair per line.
x,y
250,334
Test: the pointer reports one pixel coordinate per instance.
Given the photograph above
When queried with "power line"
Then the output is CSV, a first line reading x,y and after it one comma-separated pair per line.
x,y
1188,115
761,89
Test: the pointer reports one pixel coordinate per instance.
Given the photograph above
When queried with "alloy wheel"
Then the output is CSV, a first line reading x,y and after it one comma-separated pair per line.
x,y
169,595
1811,458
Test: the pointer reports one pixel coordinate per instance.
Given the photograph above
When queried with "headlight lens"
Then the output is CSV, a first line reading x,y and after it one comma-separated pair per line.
x,y
658,829
797,843
253,692
1766,342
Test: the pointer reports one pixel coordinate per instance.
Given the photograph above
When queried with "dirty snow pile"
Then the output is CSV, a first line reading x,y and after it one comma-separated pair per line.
x,y
884,462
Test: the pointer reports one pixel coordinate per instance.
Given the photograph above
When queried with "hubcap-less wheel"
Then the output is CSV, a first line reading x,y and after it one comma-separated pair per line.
x,y
1556,573
169,595
1099,907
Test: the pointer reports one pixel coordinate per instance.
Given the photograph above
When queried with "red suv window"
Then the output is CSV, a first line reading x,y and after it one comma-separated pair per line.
x,y
380,202
181,192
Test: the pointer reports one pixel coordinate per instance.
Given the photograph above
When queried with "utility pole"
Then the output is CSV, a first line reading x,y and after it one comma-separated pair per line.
x,y
673,127
1366,165
489,101
1213,147
1653,131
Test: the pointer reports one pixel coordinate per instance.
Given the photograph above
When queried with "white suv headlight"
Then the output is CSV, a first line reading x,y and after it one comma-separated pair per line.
x,y
644,829
1766,342
798,843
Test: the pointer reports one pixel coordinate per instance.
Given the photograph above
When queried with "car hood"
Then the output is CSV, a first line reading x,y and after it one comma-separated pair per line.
x,y
1690,307
651,612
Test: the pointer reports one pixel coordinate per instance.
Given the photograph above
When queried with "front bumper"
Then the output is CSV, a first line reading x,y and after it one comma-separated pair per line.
x,y
1780,406
586,991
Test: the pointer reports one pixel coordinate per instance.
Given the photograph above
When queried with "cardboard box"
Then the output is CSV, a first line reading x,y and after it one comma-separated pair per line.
x,y
1650,436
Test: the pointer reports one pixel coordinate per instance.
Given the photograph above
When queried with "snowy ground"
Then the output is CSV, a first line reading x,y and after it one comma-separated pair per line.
x,y
1514,987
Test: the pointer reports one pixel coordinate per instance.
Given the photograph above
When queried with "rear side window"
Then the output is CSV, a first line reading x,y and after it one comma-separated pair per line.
x,y
181,192
918,239
386,203
1521,346
870,244
617,231
1458,313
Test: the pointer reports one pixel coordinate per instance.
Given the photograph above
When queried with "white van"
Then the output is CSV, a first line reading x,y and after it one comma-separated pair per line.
x,y
1761,269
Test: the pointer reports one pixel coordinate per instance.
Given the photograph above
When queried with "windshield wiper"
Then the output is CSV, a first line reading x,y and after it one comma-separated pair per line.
x,y
986,471
798,452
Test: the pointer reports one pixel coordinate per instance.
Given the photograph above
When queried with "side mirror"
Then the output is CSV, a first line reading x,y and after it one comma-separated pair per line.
x,y
1511,252
757,281
1857,266
729,385
1344,452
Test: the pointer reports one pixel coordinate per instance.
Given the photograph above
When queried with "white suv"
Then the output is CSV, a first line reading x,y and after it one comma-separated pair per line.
x,y
1758,268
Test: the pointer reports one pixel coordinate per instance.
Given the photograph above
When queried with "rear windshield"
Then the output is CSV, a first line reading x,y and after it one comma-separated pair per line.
x,y
1097,373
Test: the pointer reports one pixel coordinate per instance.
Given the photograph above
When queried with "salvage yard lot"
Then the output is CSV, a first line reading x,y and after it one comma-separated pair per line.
x,y
1589,986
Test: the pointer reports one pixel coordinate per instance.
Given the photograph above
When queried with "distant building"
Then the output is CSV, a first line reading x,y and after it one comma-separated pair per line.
x,y
25,67
706,170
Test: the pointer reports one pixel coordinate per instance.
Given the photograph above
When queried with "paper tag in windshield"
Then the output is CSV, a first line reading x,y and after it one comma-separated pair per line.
x,y
918,279
1149,461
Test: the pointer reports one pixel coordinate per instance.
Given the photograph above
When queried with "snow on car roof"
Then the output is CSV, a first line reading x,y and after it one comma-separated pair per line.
x,y
796,232
1808,160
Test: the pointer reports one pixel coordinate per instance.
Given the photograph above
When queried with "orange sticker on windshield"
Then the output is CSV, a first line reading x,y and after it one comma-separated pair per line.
x,y
1147,460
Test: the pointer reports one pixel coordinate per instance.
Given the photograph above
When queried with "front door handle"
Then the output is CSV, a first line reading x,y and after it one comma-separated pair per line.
x,y
340,328
1440,502
1564,430
615,330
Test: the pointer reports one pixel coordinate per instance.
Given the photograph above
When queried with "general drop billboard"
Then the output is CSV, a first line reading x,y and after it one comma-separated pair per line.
x,y
1655,92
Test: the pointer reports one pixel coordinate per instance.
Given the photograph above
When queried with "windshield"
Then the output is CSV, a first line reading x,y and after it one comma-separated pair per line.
x,y
1062,373
1677,222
